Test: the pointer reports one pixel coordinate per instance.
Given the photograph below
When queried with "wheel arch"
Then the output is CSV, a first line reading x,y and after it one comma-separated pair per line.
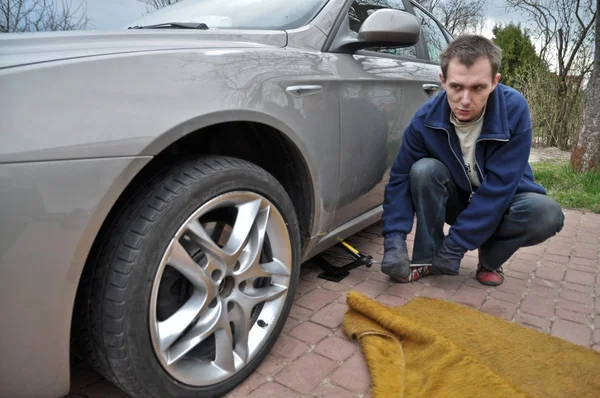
x,y
251,140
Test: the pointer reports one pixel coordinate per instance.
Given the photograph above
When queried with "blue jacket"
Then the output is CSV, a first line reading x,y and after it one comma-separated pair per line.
x,y
501,154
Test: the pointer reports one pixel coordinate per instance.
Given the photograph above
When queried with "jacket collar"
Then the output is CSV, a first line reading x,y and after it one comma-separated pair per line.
x,y
495,122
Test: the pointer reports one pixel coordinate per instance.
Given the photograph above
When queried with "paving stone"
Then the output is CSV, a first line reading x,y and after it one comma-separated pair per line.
x,y
539,306
407,290
326,390
254,381
579,288
317,299
559,248
573,316
331,316
541,291
550,273
506,296
447,282
371,288
522,266
300,313
269,390
584,261
546,283
290,323
435,292
512,285
335,348
309,332
470,296
528,256
500,309
516,274
589,254
581,278
270,365
288,348
577,307
305,373
571,331
391,300
575,296
535,321
555,259
353,374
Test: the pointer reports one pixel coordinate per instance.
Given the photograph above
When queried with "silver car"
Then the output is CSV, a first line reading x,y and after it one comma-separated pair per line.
x,y
161,185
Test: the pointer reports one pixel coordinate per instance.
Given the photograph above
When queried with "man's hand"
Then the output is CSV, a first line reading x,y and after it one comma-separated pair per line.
x,y
447,259
395,261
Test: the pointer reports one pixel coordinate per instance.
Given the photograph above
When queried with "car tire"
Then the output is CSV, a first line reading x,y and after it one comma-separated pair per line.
x,y
156,324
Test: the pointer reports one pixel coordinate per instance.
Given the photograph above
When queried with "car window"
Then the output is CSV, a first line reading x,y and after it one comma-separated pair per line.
x,y
435,40
361,9
236,14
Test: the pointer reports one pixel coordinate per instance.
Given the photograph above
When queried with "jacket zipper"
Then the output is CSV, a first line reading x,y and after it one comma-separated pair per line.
x,y
480,173
459,162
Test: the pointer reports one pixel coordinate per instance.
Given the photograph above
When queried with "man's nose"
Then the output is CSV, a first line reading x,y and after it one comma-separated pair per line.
x,y
466,97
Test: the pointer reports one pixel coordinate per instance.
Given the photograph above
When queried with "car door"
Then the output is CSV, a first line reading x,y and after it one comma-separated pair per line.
x,y
380,91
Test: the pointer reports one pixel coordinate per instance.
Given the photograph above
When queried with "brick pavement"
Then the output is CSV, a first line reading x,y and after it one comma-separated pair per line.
x,y
553,288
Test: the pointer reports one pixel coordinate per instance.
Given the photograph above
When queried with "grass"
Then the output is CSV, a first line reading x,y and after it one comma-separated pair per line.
x,y
571,190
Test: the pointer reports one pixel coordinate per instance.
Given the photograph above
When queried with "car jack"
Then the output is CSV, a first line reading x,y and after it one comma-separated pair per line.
x,y
337,273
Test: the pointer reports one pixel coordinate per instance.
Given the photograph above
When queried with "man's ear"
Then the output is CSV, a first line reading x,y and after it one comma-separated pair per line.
x,y
443,81
496,80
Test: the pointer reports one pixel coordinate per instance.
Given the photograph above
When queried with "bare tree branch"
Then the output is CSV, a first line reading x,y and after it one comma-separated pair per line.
x,y
458,16
562,25
42,15
152,5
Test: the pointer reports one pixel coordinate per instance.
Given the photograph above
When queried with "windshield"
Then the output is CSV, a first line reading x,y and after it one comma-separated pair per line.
x,y
237,14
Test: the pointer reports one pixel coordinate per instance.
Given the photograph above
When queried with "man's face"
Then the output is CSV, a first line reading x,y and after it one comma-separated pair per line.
x,y
468,88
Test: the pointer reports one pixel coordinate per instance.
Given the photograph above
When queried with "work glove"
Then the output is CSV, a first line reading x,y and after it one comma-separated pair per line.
x,y
447,260
395,261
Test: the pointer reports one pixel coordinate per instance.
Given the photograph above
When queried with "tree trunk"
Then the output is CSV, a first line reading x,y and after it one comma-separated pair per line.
x,y
585,154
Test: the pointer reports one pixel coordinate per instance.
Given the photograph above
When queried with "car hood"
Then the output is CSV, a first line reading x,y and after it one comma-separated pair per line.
x,y
17,49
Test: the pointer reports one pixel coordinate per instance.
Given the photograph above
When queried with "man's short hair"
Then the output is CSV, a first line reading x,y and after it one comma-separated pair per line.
x,y
468,49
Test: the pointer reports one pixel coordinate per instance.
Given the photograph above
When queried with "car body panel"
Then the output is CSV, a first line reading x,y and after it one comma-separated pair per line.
x,y
55,211
30,48
83,112
197,87
379,96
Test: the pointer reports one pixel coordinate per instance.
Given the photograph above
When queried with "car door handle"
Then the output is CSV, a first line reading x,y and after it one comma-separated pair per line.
x,y
431,89
301,91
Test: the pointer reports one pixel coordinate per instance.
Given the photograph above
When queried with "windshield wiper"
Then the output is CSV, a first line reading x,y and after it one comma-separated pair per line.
x,y
176,25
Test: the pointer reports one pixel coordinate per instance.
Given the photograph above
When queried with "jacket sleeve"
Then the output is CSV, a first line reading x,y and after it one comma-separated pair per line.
x,y
504,170
398,210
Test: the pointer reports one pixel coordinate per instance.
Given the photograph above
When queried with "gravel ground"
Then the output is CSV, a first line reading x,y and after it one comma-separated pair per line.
x,y
539,154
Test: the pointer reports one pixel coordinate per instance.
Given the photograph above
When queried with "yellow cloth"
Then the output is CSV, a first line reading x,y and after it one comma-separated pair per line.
x,y
434,348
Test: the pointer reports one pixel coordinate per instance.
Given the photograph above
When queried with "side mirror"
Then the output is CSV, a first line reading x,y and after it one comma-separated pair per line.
x,y
383,28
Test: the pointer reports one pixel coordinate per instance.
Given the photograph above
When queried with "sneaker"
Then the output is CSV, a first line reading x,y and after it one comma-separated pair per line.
x,y
489,278
416,272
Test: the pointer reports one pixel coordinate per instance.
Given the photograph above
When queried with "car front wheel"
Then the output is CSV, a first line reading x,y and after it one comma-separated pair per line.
x,y
194,282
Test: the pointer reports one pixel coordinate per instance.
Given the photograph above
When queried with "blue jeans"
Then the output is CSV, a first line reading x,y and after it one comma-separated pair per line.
x,y
530,219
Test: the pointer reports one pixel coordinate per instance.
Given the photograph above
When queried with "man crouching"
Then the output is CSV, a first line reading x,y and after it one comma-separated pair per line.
x,y
464,161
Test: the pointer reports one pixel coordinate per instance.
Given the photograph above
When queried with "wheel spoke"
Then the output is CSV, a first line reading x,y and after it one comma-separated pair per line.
x,y
205,326
170,329
224,358
185,264
205,242
241,324
256,270
250,298
244,222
